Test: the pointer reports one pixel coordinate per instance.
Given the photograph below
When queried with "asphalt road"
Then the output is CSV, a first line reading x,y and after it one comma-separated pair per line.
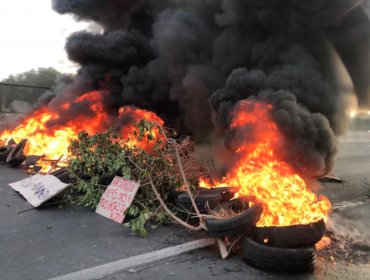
x,y
61,239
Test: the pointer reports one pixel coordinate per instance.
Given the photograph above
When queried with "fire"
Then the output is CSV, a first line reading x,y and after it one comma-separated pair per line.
x,y
134,116
208,184
50,140
263,178
50,132
323,243
52,144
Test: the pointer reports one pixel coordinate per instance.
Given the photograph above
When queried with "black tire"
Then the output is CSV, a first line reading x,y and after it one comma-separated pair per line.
x,y
31,160
11,142
278,259
204,198
64,176
172,196
16,157
4,152
297,236
234,226
106,179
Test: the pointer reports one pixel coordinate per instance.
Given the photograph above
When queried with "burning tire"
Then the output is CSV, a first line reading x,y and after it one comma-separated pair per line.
x,y
236,205
16,157
234,226
4,152
297,236
204,198
278,259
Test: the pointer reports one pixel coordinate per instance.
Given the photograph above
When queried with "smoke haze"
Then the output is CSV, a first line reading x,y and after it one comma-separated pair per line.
x,y
191,62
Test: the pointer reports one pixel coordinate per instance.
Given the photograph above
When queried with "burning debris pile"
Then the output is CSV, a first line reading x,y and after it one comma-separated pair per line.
x,y
192,63
50,146
265,84
260,175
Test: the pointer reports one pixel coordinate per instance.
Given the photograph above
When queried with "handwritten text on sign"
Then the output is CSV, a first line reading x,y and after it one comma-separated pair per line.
x,y
39,188
117,199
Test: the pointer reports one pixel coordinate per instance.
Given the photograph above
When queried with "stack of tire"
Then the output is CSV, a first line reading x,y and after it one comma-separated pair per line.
x,y
286,249
282,249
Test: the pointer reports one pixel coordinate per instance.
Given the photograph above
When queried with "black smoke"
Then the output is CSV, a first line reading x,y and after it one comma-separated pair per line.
x,y
192,61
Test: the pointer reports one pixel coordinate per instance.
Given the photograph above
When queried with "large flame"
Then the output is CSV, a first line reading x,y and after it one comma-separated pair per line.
x,y
49,137
261,176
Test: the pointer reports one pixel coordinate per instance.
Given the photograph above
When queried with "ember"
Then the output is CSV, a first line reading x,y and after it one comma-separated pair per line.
x,y
263,177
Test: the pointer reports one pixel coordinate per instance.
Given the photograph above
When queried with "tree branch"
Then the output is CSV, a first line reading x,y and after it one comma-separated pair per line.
x,y
172,215
186,183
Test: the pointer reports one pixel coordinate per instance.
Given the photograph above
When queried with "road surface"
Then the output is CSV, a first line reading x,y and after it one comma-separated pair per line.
x,y
64,239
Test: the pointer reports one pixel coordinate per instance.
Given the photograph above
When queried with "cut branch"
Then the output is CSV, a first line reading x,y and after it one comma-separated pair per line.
x,y
169,212
186,183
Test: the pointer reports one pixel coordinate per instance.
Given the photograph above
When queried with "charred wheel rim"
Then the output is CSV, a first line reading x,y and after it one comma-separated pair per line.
x,y
278,259
16,157
234,226
296,236
4,152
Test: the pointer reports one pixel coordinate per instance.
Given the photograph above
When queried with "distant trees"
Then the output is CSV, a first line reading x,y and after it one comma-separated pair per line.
x,y
35,82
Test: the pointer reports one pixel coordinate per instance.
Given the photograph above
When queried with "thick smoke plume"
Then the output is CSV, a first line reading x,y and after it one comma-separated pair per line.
x,y
191,61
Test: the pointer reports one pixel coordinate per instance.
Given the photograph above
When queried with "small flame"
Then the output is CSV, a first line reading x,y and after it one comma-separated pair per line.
x,y
323,243
207,183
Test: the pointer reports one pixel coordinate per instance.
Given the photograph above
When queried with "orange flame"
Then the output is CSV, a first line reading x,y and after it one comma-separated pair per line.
x,y
136,115
52,142
259,174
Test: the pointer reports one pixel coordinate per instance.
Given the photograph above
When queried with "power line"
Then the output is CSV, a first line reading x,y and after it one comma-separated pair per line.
x,y
20,91
23,86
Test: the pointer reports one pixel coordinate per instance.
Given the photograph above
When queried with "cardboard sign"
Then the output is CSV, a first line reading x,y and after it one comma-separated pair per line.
x,y
39,188
117,199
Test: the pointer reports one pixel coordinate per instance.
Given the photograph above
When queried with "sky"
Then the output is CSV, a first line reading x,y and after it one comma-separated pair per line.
x,y
32,35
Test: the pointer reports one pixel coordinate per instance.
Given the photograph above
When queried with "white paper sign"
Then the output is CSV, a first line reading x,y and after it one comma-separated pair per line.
x,y
39,188
117,199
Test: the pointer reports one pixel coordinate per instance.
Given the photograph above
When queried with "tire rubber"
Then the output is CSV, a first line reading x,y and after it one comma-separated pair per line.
x,y
16,157
278,259
204,198
297,236
64,176
4,152
234,226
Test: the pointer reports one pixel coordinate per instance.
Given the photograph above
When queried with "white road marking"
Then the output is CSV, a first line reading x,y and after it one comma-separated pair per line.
x,y
100,271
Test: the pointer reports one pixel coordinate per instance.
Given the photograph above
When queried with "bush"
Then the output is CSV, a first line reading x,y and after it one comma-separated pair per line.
x,y
98,158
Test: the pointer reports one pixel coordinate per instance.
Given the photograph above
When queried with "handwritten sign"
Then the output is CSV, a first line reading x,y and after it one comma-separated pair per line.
x,y
39,188
117,199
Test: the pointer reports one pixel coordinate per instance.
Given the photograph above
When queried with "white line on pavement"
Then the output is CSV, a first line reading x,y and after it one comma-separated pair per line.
x,y
100,271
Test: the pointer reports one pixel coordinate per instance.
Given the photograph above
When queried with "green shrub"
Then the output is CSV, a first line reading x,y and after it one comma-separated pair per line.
x,y
100,157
